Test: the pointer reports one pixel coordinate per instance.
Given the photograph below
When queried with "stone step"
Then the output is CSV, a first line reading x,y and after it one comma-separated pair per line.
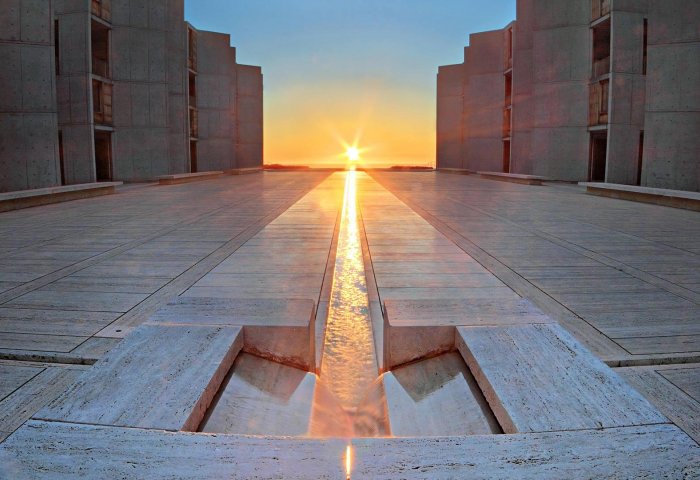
x,y
162,377
538,378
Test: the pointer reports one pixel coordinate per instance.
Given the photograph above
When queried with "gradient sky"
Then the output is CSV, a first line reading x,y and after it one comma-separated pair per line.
x,y
336,70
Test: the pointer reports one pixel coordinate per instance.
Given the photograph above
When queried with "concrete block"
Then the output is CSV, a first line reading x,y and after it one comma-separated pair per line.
x,y
36,22
37,79
11,77
188,177
10,20
565,388
415,329
279,330
160,377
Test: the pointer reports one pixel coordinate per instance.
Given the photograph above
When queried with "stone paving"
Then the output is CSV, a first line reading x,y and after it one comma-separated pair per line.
x,y
624,277
219,276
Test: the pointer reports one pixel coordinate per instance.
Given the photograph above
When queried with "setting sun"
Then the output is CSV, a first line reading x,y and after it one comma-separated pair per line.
x,y
353,154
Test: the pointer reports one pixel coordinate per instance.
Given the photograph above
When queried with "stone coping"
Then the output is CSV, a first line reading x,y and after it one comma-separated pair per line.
x,y
188,177
44,196
659,196
50,450
513,177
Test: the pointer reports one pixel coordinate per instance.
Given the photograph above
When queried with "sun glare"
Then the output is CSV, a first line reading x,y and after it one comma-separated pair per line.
x,y
353,154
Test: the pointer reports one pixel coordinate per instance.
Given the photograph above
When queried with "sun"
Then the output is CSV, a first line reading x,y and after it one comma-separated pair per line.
x,y
353,154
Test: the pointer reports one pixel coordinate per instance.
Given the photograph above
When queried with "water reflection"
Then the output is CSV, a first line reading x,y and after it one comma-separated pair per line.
x,y
349,364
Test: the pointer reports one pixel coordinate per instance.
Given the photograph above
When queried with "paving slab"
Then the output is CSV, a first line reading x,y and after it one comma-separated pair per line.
x,y
160,377
54,322
13,377
53,450
538,378
46,298
672,389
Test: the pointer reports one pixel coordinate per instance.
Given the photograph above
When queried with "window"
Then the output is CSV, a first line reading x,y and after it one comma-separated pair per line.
x,y
57,46
645,46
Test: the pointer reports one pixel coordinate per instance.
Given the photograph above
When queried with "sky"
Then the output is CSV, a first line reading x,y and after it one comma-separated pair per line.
x,y
345,72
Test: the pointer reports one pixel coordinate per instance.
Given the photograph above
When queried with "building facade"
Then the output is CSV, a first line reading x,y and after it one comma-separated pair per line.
x,y
104,90
590,90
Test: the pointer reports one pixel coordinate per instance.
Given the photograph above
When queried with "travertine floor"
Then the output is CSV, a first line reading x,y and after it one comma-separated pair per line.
x,y
624,277
621,277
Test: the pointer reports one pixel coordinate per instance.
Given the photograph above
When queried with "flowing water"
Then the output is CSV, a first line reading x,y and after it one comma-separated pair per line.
x,y
349,364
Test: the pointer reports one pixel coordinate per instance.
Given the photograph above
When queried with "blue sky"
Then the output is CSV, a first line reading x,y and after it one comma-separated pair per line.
x,y
339,69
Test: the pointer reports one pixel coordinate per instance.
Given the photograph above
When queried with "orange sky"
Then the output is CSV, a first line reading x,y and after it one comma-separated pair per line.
x,y
393,126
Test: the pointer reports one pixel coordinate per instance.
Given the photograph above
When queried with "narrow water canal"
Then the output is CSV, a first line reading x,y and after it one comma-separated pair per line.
x,y
349,364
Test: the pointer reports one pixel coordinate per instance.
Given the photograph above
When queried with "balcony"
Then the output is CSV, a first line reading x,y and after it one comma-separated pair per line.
x,y
600,8
102,9
99,38
192,49
598,104
507,122
102,102
601,67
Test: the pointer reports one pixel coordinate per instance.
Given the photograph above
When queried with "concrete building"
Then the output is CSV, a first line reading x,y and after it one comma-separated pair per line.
x,y
103,90
29,151
591,90
225,105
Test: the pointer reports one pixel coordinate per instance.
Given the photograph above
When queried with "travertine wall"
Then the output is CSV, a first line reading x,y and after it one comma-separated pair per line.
x,y
28,119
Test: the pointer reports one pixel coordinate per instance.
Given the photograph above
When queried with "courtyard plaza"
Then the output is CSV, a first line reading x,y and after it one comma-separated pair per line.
x,y
374,324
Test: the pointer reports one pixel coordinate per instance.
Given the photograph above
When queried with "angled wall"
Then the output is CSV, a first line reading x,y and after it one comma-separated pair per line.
x,y
482,137
450,100
216,102
249,118
29,153
522,161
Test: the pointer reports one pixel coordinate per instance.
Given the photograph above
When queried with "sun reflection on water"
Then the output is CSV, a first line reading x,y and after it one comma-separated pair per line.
x,y
349,366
